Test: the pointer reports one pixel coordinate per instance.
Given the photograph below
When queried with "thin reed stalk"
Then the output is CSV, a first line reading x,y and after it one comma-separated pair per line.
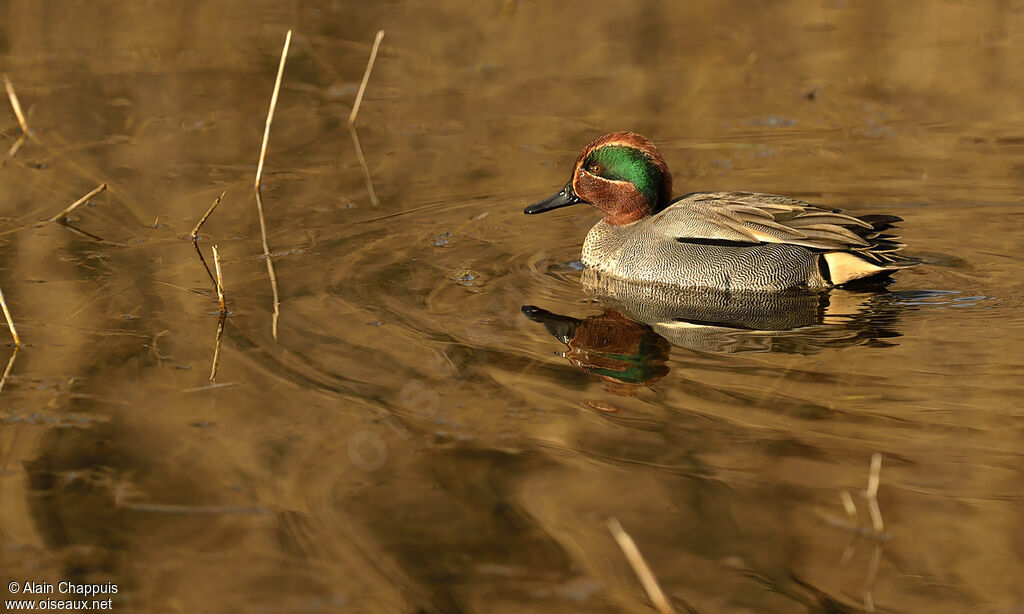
x,y
366,78
871,578
78,203
220,280
195,237
256,185
195,231
273,106
849,506
640,567
10,320
10,365
872,493
216,348
223,315
16,146
877,529
362,165
270,266
15,105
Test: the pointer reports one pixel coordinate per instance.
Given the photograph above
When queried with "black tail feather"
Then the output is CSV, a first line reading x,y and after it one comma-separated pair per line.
x,y
880,221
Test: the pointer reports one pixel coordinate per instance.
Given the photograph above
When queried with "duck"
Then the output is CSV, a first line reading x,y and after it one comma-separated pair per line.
x,y
733,241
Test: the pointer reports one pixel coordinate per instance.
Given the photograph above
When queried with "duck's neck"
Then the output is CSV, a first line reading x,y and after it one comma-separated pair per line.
x,y
622,219
631,208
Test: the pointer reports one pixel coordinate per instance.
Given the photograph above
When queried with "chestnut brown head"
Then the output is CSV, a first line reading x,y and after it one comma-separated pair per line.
x,y
623,174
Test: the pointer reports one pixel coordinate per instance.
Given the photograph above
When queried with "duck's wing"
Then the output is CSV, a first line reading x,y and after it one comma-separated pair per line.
x,y
747,217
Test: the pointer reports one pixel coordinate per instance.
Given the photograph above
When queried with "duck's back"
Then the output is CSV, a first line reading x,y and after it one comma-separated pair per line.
x,y
747,241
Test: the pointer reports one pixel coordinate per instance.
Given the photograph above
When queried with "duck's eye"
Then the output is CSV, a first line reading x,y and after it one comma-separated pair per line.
x,y
595,169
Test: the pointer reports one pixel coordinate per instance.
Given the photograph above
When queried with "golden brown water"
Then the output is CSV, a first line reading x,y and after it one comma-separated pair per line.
x,y
413,442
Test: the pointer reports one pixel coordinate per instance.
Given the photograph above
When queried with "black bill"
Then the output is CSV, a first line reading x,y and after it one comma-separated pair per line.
x,y
561,327
565,197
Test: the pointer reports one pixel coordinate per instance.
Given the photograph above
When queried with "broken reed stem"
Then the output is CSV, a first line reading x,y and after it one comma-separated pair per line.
x,y
270,265
849,506
643,572
273,105
872,493
195,237
223,315
216,348
78,203
15,105
10,320
870,578
10,365
16,146
202,220
366,78
220,280
362,164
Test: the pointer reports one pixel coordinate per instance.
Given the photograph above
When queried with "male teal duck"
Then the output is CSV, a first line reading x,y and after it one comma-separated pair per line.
x,y
723,240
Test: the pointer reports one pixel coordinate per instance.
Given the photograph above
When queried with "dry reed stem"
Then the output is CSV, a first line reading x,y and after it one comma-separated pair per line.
x,y
273,105
362,164
366,78
849,506
10,320
202,220
270,266
216,348
195,237
872,576
223,315
16,146
10,365
872,493
78,203
220,280
877,528
15,105
256,185
640,567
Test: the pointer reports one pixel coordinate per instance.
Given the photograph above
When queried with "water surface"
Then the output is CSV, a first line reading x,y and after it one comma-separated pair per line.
x,y
412,441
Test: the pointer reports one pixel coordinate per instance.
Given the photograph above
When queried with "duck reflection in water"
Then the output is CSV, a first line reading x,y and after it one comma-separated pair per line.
x,y
630,341
608,345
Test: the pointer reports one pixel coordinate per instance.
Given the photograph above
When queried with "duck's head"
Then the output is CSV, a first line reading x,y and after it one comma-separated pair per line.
x,y
623,174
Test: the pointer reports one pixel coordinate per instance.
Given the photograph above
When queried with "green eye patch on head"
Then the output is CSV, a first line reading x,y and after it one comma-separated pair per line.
x,y
621,163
